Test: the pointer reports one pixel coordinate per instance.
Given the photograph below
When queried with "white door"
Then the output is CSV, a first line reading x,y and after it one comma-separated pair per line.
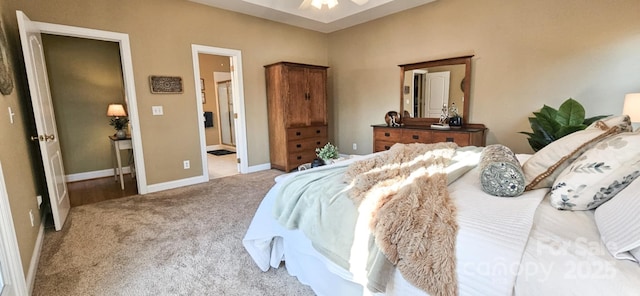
x,y
45,119
437,93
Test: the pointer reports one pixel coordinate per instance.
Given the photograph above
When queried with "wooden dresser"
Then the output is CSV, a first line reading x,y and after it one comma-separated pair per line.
x,y
297,107
384,137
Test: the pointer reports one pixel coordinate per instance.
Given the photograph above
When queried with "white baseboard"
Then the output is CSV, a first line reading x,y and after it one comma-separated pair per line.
x,y
176,184
35,259
260,167
94,174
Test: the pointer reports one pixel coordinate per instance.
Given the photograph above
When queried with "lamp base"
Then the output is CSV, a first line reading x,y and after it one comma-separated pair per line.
x,y
120,134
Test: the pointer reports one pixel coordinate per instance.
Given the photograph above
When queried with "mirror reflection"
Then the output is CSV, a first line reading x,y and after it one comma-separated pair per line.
x,y
427,87
426,90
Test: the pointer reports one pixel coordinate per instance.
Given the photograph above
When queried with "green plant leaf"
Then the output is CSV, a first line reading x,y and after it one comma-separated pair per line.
x,y
570,113
565,130
591,120
544,122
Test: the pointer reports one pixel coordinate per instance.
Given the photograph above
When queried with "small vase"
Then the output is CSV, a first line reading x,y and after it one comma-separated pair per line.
x,y
120,134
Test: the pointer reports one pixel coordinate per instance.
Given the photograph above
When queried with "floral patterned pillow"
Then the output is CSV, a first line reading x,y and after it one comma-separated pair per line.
x,y
545,165
598,174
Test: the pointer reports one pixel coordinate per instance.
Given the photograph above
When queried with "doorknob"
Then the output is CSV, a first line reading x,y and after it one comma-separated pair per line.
x,y
50,137
36,138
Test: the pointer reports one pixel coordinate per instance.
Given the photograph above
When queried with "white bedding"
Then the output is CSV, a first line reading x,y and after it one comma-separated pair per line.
x,y
492,235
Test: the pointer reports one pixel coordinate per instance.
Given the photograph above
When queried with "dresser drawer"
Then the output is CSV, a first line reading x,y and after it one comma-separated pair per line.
x,y
297,158
306,144
462,139
306,132
415,136
382,145
387,134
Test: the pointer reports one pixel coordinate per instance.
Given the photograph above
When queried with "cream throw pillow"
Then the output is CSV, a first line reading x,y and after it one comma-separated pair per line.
x,y
599,174
545,165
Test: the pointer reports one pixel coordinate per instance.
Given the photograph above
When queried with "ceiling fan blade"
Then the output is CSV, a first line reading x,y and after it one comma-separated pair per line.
x,y
360,2
305,4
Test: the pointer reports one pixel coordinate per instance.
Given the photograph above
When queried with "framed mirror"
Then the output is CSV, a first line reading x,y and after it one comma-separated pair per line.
x,y
426,86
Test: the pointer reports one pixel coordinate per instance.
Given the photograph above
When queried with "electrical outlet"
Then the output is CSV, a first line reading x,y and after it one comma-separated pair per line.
x,y
31,217
186,164
355,146
39,199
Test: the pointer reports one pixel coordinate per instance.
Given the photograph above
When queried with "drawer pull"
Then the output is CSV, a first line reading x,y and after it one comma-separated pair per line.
x,y
387,134
318,143
317,131
298,145
449,139
297,133
415,137
299,157
387,147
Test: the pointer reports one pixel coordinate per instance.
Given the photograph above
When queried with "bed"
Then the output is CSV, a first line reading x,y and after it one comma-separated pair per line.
x,y
503,246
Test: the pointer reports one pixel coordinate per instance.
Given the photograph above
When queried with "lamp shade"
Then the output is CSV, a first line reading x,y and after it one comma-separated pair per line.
x,y
116,110
632,106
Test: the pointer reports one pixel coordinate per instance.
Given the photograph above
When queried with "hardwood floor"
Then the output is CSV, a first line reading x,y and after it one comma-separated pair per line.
x,y
96,190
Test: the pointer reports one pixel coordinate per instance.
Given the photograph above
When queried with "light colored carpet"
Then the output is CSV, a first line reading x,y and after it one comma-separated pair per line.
x,y
186,241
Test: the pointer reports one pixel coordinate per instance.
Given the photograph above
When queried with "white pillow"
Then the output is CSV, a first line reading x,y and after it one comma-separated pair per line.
x,y
598,174
619,223
545,165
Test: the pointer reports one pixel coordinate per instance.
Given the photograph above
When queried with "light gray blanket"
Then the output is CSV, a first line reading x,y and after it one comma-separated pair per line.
x,y
317,202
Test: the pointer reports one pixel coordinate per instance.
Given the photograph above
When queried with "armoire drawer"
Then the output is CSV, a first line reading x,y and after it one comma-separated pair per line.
x,y
306,132
297,158
306,144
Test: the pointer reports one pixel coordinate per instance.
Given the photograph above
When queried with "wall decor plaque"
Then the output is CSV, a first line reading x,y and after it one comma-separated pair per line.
x,y
165,84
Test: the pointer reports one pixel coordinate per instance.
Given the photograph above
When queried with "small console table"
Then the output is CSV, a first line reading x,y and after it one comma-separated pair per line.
x,y
384,136
116,146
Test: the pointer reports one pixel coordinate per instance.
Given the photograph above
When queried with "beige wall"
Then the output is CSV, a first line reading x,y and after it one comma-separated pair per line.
x,y
161,33
17,153
85,76
527,53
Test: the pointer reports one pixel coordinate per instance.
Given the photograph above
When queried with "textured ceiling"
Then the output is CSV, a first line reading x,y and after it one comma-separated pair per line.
x,y
344,15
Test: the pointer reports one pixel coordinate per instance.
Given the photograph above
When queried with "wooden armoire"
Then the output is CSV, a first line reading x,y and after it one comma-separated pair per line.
x,y
297,106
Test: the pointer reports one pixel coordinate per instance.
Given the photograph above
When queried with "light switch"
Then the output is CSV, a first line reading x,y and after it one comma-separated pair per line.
x,y
157,110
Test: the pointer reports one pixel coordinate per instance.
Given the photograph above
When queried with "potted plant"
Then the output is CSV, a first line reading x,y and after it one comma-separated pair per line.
x,y
327,153
119,123
550,124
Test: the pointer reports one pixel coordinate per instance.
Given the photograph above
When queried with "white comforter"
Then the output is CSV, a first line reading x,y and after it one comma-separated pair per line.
x,y
492,235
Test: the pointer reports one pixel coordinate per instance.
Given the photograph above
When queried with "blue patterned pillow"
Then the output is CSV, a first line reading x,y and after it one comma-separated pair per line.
x,y
500,172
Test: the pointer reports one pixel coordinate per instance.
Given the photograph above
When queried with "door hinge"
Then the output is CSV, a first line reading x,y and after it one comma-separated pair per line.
x,y
238,159
235,115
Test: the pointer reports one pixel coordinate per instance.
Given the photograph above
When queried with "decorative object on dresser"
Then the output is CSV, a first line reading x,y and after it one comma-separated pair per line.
x,y
469,135
392,118
297,107
328,153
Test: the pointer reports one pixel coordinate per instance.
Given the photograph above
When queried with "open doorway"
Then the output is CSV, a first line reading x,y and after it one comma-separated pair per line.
x,y
218,72
85,77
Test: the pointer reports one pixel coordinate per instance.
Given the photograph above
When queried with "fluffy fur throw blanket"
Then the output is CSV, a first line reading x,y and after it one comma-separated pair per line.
x,y
412,218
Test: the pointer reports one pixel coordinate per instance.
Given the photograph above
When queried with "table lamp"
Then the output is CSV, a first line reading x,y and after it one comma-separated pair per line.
x,y
632,108
116,111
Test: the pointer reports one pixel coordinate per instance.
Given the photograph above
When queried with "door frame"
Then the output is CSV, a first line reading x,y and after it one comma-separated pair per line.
x,y
237,87
9,252
129,85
